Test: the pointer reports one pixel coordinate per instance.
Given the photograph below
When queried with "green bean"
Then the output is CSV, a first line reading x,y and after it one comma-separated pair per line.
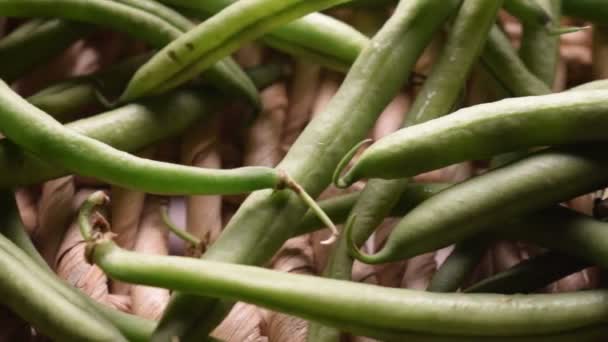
x,y
530,275
539,48
44,137
266,219
35,42
464,44
484,131
128,128
501,60
515,189
215,38
459,264
317,37
529,12
341,303
592,10
132,20
161,11
21,248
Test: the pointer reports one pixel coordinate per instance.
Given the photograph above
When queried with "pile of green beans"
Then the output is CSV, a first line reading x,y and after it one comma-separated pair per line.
x,y
541,149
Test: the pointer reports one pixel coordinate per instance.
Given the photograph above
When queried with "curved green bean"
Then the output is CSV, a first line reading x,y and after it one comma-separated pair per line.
x,y
133,20
35,42
484,131
519,188
317,37
340,303
437,97
215,38
530,275
266,219
166,13
46,138
128,128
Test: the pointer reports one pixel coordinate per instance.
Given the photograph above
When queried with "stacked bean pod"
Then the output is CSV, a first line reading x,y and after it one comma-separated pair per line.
x,y
249,123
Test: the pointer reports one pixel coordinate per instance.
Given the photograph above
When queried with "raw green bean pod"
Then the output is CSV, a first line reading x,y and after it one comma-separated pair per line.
x,y
164,12
530,275
529,12
516,189
318,37
341,303
129,128
21,248
132,20
266,219
459,265
484,131
216,38
36,42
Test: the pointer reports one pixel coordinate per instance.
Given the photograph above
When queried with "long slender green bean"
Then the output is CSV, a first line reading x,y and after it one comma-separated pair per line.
x,y
516,189
40,134
437,97
128,128
139,23
341,303
484,131
530,275
265,220
35,42
316,36
215,38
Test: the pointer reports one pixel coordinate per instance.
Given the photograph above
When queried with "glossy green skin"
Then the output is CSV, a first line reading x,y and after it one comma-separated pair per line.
x,y
486,130
529,12
266,219
501,60
34,43
539,49
530,275
480,203
592,10
50,141
214,39
20,247
459,265
132,20
356,307
128,128
318,37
